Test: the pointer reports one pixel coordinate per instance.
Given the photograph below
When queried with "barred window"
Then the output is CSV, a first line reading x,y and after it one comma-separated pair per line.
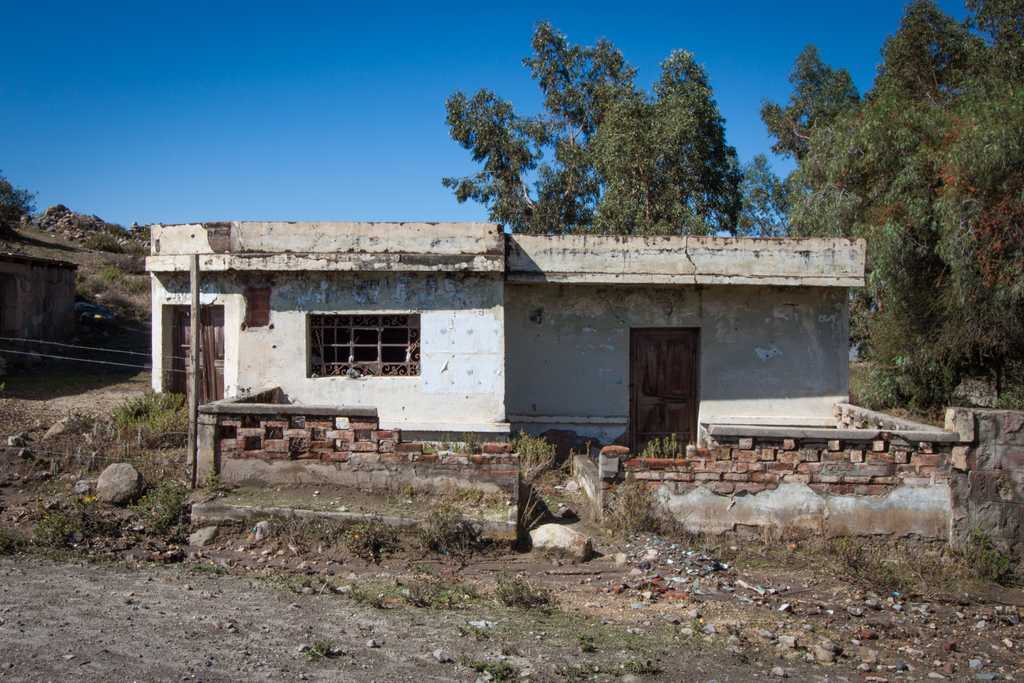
x,y
364,345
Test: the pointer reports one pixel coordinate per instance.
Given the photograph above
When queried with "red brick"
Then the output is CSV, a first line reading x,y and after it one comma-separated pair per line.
x,y
878,446
879,458
251,431
274,424
789,457
385,435
422,457
386,446
736,476
722,486
722,452
789,444
856,479
745,444
275,445
889,481
764,477
798,478
746,456
810,455
856,456
340,434
780,467
723,466
766,454
229,445
901,457
706,476
411,447
749,487
363,447
926,459
335,457
615,451
809,467
362,425
926,447
363,435
841,489
496,447
834,445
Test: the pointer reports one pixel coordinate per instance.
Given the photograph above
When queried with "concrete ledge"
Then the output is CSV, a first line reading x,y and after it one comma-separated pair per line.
x,y
686,260
934,434
214,512
232,407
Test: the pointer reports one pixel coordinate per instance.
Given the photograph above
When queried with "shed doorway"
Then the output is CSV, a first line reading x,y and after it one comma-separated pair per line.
x,y
211,352
662,385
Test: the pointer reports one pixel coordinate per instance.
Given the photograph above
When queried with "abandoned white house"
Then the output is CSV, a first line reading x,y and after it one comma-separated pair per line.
x,y
356,353
454,328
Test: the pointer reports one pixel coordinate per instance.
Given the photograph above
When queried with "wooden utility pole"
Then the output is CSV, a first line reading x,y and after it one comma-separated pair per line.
x,y
193,368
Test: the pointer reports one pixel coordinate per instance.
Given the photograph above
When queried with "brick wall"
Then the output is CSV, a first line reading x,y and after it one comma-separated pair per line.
x,y
350,450
752,465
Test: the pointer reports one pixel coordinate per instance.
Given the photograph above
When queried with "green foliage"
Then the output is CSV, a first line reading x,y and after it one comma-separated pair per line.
x,y
163,507
57,529
102,241
986,561
604,156
497,671
371,540
820,94
64,528
445,532
516,591
156,416
765,205
439,594
928,168
321,649
10,541
641,667
14,203
663,447
536,455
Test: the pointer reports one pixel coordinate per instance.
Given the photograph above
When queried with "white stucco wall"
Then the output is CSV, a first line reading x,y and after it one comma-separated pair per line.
x,y
767,354
462,380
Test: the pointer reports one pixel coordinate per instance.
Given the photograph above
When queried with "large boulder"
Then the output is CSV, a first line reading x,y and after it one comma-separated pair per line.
x,y
563,539
119,484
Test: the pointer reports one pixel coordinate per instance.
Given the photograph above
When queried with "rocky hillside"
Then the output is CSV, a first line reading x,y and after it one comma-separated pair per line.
x,y
92,232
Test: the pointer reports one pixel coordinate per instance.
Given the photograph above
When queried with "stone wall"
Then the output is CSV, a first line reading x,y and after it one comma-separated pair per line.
x,y
988,482
297,445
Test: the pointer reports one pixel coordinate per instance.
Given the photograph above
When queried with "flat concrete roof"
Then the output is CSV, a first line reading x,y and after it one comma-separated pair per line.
x,y
337,246
484,247
10,257
686,260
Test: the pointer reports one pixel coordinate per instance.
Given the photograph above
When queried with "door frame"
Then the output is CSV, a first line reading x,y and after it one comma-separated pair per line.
x,y
633,339
177,355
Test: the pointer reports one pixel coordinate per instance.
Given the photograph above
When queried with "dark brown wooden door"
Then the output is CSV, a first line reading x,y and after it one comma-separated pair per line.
x,y
211,352
663,385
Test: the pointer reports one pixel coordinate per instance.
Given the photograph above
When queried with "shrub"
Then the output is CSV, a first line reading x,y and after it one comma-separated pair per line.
x,y
986,561
536,455
103,241
371,540
57,530
155,415
163,507
445,532
497,671
10,542
439,594
515,591
632,510
869,567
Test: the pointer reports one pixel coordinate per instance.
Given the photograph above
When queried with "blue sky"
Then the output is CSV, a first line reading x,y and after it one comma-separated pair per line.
x,y
316,111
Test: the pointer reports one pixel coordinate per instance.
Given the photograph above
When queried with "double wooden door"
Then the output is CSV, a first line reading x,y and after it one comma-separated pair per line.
x,y
211,352
663,386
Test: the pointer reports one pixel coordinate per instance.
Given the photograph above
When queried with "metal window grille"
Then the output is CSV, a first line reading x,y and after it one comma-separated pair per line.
x,y
364,345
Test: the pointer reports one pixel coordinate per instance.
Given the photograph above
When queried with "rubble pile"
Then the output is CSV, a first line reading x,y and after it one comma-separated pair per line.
x,y
70,225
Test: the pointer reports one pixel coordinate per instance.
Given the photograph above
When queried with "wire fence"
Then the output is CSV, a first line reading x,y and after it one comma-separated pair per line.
x,y
169,367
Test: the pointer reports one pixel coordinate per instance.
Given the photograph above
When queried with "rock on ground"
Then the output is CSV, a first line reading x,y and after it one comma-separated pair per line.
x,y
203,536
119,484
564,539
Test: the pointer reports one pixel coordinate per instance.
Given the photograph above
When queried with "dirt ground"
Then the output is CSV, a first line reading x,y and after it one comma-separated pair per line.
x,y
127,602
